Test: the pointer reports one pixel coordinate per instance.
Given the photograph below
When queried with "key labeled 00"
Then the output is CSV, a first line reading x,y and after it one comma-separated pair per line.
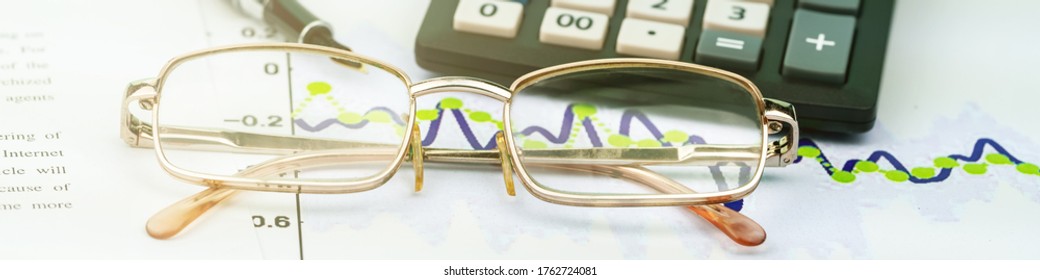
x,y
581,22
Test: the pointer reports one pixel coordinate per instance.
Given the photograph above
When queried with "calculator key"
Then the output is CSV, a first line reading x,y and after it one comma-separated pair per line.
x,y
674,11
736,16
605,7
729,50
848,7
767,2
819,45
650,39
488,17
573,28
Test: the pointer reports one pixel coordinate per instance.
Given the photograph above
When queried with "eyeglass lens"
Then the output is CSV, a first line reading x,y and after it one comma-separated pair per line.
x,y
222,113
692,128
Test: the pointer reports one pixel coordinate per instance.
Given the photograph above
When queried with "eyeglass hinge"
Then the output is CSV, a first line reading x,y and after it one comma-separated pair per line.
x,y
132,128
783,133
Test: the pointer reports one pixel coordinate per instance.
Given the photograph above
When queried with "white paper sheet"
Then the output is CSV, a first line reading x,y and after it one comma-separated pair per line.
x,y
64,67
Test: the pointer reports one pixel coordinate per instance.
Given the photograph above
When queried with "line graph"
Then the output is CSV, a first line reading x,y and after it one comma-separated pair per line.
x,y
977,162
581,118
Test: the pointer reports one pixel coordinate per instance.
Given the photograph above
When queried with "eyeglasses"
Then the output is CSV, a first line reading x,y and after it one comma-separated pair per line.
x,y
301,118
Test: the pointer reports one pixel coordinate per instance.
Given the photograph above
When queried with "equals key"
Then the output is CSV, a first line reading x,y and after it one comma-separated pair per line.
x,y
729,50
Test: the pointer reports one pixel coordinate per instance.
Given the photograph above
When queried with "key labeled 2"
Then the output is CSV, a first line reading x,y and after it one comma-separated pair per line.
x,y
670,11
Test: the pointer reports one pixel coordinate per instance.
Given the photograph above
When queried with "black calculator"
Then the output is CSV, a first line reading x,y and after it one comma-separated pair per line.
x,y
824,56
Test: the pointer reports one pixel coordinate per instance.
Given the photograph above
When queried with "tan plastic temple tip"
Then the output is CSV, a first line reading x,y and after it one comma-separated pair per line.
x,y
738,227
507,167
417,157
174,218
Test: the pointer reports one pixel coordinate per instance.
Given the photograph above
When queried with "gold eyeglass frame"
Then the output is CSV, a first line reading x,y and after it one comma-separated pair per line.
x,y
778,122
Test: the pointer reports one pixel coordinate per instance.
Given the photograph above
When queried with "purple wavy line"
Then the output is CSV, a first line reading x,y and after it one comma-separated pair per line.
x,y
300,123
624,128
467,131
944,173
590,129
565,128
564,134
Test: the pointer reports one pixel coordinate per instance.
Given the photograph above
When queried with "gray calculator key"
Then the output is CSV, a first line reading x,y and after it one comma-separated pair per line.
x,y
729,50
848,7
819,45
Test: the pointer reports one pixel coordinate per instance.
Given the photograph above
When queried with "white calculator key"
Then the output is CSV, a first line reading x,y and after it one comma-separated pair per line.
x,y
647,38
605,7
489,17
573,28
673,11
736,16
767,2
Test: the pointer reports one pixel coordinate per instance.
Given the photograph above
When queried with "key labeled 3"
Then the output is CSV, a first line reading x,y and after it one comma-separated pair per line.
x,y
737,16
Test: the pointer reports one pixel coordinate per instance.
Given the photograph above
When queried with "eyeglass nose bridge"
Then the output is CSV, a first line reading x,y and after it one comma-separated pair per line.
x,y
470,85
461,84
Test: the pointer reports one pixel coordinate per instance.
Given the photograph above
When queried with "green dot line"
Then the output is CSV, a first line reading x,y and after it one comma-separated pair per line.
x,y
863,167
316,89
583,111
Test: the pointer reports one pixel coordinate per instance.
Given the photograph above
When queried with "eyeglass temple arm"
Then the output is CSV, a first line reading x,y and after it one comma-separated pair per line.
x,y
741,229
736,226
243,142
171,220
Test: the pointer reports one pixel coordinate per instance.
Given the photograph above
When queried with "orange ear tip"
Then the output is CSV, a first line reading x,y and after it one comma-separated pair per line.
x,y
739,228
160,232
750,238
